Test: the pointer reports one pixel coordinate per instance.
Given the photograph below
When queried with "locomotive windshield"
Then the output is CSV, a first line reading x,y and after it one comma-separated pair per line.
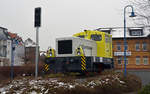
x,y
81,36
96,37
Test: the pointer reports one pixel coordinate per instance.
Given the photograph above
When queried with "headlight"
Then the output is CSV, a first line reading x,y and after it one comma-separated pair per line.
x,y
78,53
50,54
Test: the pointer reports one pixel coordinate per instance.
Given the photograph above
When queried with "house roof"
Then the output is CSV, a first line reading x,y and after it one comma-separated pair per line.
x,y
3,28
30,43
118,32
3,35
14,36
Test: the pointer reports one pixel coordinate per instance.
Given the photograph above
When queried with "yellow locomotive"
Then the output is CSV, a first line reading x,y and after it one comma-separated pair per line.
x,y
88,51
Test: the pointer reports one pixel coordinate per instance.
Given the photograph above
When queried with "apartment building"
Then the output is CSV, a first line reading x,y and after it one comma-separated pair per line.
x,y
138,47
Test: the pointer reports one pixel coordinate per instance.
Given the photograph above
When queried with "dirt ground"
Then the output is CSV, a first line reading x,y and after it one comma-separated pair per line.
x,y
106,83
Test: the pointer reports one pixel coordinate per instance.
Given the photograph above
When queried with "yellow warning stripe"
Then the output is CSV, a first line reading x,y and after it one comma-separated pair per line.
x,y
83,63
83,66
82,59
46,67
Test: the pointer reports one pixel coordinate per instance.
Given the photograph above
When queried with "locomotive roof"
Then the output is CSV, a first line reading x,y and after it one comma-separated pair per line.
x,y
88,31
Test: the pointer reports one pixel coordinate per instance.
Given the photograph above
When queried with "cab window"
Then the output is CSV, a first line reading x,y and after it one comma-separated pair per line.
x,y
96,37
107,39
81,36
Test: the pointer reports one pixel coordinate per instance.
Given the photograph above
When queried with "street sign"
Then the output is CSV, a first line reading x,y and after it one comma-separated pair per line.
x,y
122,53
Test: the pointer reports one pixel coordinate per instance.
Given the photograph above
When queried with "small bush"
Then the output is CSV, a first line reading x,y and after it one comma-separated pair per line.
x,y
145,90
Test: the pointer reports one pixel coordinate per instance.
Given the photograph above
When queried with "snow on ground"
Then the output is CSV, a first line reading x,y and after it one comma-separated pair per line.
x,y
45,86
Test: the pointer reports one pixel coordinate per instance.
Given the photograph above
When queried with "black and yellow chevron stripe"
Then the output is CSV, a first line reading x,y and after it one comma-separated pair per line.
x,y
83,63
46,67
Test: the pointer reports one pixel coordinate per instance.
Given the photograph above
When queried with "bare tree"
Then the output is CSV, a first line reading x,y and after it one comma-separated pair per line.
x,y
142,12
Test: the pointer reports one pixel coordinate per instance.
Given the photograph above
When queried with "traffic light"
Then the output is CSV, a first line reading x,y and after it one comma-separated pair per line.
x,y
37,20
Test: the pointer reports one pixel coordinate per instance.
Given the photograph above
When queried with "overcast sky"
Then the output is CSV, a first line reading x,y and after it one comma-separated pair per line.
x,y
60,18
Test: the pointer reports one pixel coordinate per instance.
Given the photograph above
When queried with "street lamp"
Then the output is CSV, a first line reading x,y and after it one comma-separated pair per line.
x,y
132,15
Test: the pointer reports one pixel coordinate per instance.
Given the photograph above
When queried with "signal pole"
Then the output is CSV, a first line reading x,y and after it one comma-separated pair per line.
x,y
37,52
37,24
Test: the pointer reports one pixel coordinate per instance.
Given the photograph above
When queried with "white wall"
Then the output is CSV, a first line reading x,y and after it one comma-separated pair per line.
x,y
19,54
9,50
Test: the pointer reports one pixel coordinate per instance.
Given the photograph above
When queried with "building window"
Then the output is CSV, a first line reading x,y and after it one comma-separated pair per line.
x,y
119,60
136,32
137,60
4,50
137,46
119,46
144,46
145,60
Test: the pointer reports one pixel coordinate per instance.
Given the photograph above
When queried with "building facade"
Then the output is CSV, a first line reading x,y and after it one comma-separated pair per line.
x,y
18,49
5,52
30,49
137,48
7,40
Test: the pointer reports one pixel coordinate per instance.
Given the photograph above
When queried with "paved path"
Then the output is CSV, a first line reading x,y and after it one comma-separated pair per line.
x,y
143,74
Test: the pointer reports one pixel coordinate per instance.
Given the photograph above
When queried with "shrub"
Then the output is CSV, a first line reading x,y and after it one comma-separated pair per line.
x,y
145,90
